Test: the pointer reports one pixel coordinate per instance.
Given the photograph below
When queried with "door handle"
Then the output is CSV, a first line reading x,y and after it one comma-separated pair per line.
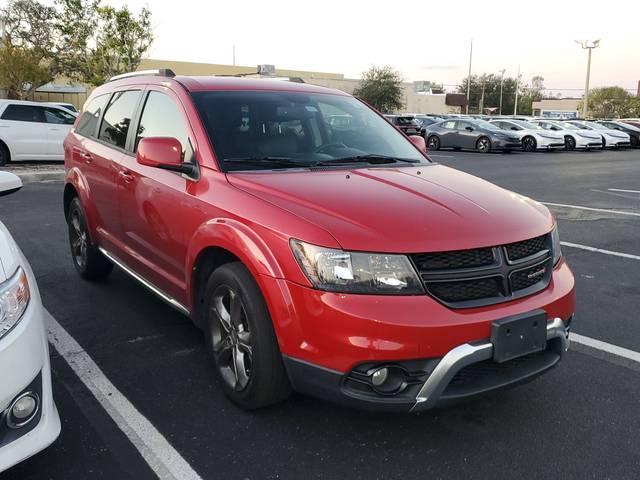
x,y
86,157
126,176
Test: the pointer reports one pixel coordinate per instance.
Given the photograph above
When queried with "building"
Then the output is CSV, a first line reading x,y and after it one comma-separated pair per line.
x,y
556,107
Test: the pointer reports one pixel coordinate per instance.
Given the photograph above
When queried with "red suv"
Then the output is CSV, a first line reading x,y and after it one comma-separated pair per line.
x,y
338,262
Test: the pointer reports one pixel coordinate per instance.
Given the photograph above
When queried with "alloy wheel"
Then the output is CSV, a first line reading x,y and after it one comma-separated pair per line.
x,y
528,144
434,143
79,240
231,338
569,143
483,145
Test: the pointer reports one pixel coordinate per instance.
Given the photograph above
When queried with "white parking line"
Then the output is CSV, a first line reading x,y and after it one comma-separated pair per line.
x,y
163,459
606,347
441,156
600,250
622,190
579,207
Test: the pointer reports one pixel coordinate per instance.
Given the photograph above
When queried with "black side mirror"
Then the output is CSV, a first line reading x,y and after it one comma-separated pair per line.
x,y
469,129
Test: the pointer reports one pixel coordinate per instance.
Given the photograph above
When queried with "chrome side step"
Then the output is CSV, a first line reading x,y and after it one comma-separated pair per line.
x,y
170,300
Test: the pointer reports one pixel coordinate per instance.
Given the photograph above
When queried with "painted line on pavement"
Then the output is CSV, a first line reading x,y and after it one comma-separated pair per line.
x,y
622,190
605,347
579,207
163,459
600,250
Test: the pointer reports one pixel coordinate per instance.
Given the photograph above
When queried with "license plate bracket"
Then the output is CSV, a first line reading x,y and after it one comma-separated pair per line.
x,y
519,335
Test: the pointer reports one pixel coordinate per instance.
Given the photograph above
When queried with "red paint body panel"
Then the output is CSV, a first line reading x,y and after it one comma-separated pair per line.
x,y
159,222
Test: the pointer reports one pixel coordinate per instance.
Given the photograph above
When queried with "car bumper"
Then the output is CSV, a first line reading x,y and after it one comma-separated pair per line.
x,y
588,142
24,367
329,338
548,143
505,145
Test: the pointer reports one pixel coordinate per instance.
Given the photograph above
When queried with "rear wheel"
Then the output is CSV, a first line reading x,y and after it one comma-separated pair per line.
x,y
529,144
433,143
483,145
241,339
5,156
604,144
635,142
569,143
89,262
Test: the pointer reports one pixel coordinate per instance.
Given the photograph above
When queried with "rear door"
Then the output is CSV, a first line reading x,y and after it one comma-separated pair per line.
x,y
23,128
59,123
448,133
152,200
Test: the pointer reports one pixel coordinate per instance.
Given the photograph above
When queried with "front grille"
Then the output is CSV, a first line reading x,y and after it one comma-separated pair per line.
x,y
484,276
518,250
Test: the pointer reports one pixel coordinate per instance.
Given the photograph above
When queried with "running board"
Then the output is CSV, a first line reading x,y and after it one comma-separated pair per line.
x,y
170,300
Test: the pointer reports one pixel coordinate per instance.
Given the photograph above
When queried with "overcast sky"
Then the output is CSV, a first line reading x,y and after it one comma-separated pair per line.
x,y
348,36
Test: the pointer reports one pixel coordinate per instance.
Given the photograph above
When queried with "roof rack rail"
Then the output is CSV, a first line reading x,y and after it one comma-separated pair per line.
x,y
158,72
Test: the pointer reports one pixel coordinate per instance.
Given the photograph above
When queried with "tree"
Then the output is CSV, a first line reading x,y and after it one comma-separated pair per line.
x,y
526,96
611,102
28,50
100,42
381,87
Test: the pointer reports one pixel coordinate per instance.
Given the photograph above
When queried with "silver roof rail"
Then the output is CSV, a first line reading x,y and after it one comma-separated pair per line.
x,y
158,72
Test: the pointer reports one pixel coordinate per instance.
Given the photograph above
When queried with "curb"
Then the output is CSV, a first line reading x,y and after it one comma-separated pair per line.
x,y
45,176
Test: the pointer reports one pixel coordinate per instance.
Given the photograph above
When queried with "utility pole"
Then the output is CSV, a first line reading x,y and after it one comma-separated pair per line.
x,y
481,107
587,46
234,55
501,85
469,76
515,106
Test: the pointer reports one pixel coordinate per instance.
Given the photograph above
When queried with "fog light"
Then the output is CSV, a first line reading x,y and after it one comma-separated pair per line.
x,y
23,409
379,377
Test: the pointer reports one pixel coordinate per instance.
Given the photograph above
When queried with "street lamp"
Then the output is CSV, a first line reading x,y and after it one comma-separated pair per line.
x,y
587,46
501,85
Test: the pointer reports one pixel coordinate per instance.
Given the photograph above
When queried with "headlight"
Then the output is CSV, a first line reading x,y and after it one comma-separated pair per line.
x,y
555,245
14,298
354,272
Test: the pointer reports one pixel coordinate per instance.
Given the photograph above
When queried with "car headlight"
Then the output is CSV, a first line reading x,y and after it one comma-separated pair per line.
x,y
354,272
555,245
14,298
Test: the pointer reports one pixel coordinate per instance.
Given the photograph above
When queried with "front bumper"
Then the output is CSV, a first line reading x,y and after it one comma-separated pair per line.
x,y
549,143
24,366
500,144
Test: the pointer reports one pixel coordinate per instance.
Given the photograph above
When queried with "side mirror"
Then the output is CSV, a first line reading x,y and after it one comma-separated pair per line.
x,y
9,183
419,142
469,129
164,153
514,129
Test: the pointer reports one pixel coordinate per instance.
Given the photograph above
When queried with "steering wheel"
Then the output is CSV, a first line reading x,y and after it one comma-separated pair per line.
x,y
322,148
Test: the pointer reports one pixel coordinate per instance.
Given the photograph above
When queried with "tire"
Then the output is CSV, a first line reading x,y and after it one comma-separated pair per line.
x,y
529,144
89,262
242,341
5,155
569,143
635,142
604,144
433,143
483,145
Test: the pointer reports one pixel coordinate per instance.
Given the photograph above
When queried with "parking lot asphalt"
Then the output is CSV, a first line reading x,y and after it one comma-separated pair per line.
x,y
579,421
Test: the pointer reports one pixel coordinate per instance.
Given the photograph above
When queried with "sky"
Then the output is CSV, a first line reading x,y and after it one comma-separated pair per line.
x,y
423,40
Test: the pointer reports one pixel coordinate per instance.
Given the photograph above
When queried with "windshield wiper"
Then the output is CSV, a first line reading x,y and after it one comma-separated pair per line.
x,y
368,158
267,160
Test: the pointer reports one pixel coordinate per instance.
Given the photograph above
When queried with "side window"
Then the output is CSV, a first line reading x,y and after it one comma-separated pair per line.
x,y
449,125
88,122
55,115
161,117
117,117
24,113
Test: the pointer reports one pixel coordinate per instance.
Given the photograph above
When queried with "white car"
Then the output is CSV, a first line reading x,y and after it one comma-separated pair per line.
x,y
574,137
610,138
533,136
29,420
32,130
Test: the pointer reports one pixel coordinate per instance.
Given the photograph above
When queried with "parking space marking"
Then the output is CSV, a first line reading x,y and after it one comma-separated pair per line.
x,y
163,459
600,250
593,209
622,190
439,155
605,347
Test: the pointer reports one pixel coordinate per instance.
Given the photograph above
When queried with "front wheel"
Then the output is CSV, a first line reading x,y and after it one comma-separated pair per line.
x,y
433,143
483,145
604,144
89,262
241,339
529,144
5,156
569,143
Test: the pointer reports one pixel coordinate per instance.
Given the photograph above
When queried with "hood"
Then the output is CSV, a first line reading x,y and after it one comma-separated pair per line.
x,y
404,210
8,254
588,134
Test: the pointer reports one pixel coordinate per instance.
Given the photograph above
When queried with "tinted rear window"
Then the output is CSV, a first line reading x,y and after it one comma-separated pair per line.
x,y
88,123
117,117
24,113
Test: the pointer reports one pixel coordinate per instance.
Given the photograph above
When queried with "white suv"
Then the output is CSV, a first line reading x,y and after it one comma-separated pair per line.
x,y
32,130
29,419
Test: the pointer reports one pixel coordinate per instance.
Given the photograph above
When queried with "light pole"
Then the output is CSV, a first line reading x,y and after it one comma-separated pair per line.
x,y
515,105
501,85
587,46
469,76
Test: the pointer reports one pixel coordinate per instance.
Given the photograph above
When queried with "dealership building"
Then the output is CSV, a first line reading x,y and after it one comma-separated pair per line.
x,y
556,108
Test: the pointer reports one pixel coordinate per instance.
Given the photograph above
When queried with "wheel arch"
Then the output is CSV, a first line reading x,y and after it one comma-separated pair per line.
x,y
76,186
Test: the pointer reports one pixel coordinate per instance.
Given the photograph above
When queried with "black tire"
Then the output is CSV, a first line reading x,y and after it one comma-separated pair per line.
x,y
241,339
529,144
569,143
635,142
5,155
604,144
483,145
89,262
433,143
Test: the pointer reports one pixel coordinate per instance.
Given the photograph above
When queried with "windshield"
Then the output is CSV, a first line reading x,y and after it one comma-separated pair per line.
x,y
530,126
582,126
597,126
567,125
299,128
407,121
486,125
